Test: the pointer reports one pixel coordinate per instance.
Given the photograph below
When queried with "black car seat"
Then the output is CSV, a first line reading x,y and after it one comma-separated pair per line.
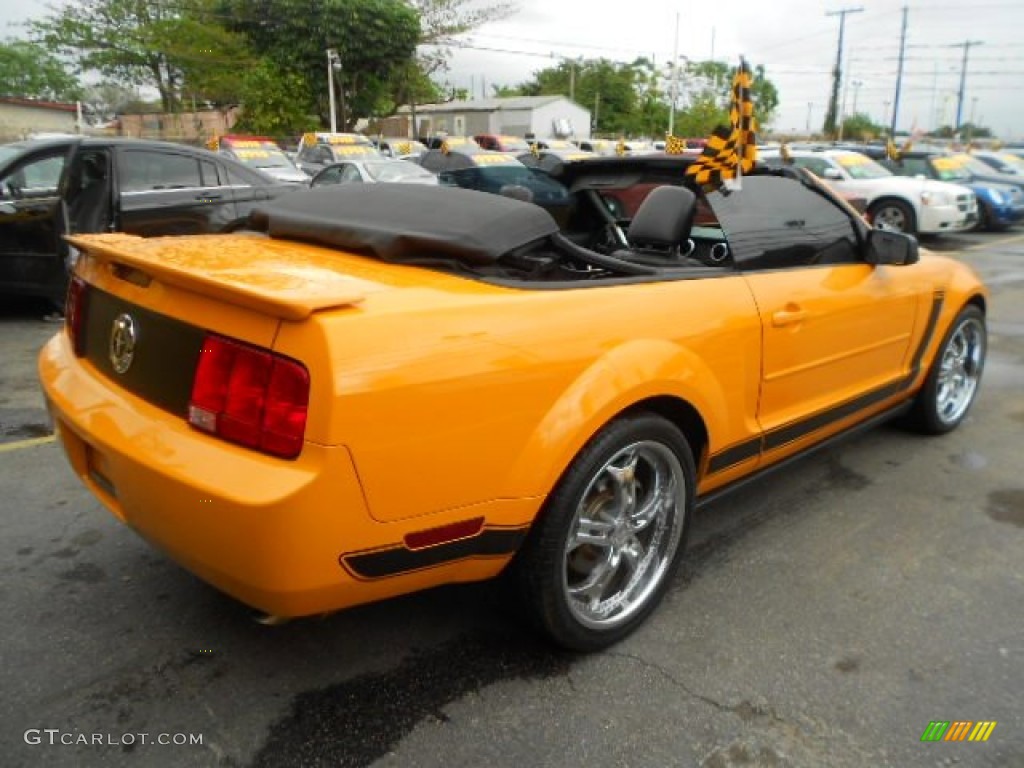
x,y
659,231
89,208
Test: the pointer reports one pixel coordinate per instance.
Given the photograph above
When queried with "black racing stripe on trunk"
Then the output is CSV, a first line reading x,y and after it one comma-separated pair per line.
x,y
490,542
166,351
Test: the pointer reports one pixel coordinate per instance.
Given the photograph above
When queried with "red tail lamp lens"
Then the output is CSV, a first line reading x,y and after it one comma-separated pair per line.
x,y
250,396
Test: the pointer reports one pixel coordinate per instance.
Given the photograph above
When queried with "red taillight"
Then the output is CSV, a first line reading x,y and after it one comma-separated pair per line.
x,y
74,310
250,396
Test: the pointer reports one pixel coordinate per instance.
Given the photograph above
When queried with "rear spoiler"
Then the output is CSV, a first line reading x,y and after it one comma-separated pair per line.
x,y
289,287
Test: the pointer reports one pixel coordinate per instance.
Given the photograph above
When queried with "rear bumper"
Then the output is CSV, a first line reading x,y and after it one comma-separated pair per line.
x,y
267,531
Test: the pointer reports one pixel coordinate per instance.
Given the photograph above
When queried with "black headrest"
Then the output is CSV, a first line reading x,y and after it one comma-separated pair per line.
x,y
664,218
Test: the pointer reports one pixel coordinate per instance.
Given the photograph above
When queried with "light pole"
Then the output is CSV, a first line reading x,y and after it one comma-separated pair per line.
x,y
885,115
856,89
333,60
672,86
810,107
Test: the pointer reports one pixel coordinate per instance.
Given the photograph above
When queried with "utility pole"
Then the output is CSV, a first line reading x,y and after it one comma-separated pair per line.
x,y
966,45
837,73
810,106
899,75
673,86
332,60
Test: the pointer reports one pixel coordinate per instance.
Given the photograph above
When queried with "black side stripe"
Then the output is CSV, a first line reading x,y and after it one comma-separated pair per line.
x,y
789,433
929,330
491,542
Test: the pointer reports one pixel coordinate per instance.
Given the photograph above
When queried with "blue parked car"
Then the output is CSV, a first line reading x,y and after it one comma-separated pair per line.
x,y
999,204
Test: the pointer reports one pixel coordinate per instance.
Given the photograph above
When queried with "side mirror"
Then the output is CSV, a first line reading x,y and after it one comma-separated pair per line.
x,y
893,248
833,173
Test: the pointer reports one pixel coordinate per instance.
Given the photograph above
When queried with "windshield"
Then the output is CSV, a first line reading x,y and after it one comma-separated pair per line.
x,y
349,151
948,169
974,165
395,171
514,144
264,155
861,166
1016,164
514,180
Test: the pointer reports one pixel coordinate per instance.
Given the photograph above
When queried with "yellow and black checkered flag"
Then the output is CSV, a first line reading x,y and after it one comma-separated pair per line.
x,y
620,148
213,144
674,145
535,149
891,151
731,150
445,148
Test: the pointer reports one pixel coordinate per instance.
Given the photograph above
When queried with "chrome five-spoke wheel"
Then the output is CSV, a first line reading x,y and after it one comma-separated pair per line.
x,y
624,534
603,551
952,382
960,370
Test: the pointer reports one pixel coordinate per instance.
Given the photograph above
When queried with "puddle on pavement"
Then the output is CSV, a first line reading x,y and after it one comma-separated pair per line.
x,y
1007,506
23,423
355,722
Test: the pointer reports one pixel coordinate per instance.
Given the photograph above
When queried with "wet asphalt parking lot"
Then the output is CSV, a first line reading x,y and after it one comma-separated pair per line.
x,y
823,617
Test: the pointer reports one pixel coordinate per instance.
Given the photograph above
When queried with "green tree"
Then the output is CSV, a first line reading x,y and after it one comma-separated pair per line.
x,y
708,83
861,127
29,71
607,88
374,40
174,46
269,103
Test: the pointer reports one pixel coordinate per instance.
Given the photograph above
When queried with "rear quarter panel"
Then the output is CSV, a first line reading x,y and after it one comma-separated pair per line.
x,y
489,393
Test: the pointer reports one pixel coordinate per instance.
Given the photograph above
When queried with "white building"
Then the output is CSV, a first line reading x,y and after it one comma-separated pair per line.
x,y
542,116
23,117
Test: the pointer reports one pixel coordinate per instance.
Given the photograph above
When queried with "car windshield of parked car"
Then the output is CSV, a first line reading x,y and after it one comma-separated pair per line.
x,y
1010,163
948,169
341,152
513,144
264,156
502,179
397,170
861,166
973,165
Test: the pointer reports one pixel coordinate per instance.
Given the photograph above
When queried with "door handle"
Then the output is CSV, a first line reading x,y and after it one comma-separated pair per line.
x,y
209,198
788,316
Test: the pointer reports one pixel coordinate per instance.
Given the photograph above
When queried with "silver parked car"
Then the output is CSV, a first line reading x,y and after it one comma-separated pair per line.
x,y
373,170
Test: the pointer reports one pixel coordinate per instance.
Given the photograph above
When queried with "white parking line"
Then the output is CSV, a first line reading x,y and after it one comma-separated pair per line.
x,y
5,447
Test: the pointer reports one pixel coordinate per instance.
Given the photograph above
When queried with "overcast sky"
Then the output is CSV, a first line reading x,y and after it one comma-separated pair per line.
x,y
795,40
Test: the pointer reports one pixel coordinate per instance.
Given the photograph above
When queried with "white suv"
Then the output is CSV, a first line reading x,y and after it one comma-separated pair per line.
x,y
902,203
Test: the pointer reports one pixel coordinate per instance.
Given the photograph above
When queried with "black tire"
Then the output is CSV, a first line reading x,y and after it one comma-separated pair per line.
x,y
590,595
894,215
952,383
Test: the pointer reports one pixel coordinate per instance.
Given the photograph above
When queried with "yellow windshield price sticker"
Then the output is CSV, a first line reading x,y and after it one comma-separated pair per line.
x,y
342,139
353,150
578,156
561,145
246,144
493,159
248,154
946,163
853,159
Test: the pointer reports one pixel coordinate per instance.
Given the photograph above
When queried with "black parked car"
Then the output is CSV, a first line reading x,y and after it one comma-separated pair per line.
x,y
53,187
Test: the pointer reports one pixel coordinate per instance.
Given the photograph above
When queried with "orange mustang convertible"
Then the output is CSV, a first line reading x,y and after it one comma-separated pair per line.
x,y
372,390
